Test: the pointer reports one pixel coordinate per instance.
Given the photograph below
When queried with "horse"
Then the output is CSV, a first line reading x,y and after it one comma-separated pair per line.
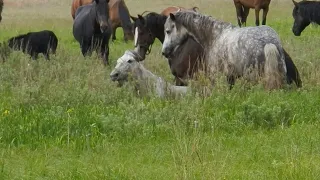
x,y
1,7
243,7
185,63
230,50
304,13
128,65
171,9
118,13
34,43
92,28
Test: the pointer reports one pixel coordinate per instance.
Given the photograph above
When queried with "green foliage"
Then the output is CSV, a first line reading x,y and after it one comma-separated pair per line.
x,y
65,118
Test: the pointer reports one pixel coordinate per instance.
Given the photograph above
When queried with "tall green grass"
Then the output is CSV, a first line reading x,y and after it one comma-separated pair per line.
x,y
65,118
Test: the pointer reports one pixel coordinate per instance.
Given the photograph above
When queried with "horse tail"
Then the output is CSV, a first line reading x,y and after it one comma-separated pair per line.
x,y
292,71
53,43
274,69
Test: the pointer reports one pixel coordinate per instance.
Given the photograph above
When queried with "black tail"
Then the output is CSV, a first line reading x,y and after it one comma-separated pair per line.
x,y
53,43
292,71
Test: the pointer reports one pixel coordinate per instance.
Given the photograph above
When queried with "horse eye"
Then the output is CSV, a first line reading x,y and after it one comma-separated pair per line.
x,y
130,61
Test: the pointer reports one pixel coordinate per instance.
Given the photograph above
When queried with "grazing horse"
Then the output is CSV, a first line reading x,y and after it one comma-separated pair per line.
x,y
129,64
187,59
92,29
118,13
1,7
243,7
304,13
229,49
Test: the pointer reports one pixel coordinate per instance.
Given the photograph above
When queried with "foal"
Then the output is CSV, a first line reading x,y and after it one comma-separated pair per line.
x,y
145,80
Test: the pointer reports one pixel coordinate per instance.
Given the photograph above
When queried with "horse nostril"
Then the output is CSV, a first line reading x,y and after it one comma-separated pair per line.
x,y
114,76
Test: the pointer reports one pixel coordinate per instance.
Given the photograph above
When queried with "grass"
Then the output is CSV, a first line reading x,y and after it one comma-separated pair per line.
x,y
65,119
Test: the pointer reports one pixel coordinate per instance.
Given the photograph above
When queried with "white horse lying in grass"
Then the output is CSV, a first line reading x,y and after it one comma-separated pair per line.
x,y
144,79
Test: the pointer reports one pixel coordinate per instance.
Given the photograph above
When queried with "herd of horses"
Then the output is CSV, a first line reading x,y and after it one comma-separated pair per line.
x,y
191,41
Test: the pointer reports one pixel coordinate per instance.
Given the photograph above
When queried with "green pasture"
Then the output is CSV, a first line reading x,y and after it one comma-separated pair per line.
x,y
65,118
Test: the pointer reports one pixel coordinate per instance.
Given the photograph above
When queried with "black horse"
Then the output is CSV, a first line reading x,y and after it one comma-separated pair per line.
x,y
304,13
92,28
183,63
34,43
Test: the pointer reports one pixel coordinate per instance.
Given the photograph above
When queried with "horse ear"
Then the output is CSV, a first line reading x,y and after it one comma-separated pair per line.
x,y
172,16
133,18
141,18
295,3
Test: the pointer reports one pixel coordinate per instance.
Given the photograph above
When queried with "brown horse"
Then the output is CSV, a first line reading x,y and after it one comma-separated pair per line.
x,y
118,13
243,7
1,7
172,9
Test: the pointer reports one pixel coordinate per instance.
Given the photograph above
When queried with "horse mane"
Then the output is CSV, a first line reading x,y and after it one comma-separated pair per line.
x,y
195,20
310,10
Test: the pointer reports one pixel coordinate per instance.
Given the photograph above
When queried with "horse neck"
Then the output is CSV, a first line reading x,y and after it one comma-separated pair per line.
x,y
157,27
213,28
310,12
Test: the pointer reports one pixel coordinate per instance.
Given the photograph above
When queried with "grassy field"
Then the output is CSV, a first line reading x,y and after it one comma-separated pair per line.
x,y
65,118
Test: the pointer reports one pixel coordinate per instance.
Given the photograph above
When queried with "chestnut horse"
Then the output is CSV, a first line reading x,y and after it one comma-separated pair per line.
x,y
172,9
118,13
243,7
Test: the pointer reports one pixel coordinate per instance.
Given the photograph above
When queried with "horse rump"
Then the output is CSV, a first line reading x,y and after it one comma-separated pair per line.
x,y
274,69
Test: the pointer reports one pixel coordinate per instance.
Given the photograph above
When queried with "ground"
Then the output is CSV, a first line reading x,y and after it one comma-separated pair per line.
x,y
65,118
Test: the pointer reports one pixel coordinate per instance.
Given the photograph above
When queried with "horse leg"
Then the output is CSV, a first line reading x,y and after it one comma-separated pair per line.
x,y
264,17
245,15
84,48
46,56
257,10
114,29
231,81
34,55
239,13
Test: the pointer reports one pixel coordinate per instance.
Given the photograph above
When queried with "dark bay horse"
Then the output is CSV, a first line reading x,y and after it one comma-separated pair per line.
x,y
304,13
1,7
243,7
118,13
92,29
187,58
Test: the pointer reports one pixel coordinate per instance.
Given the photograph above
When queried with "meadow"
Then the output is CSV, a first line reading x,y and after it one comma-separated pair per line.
x,y
65,118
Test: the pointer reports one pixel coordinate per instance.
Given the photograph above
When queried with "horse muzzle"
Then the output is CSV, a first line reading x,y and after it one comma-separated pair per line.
x,y
167,52
114,76
296,33
103,27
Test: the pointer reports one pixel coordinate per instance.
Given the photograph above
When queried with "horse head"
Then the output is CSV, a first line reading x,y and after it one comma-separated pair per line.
x,y
127,64
300,21
175,35
102,14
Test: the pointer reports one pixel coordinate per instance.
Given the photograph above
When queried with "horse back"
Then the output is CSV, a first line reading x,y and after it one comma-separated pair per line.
x,y
76,4
173,9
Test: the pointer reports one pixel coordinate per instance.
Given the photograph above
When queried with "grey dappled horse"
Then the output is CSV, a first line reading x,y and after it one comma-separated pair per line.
x,y
128,65
229,49
92,28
